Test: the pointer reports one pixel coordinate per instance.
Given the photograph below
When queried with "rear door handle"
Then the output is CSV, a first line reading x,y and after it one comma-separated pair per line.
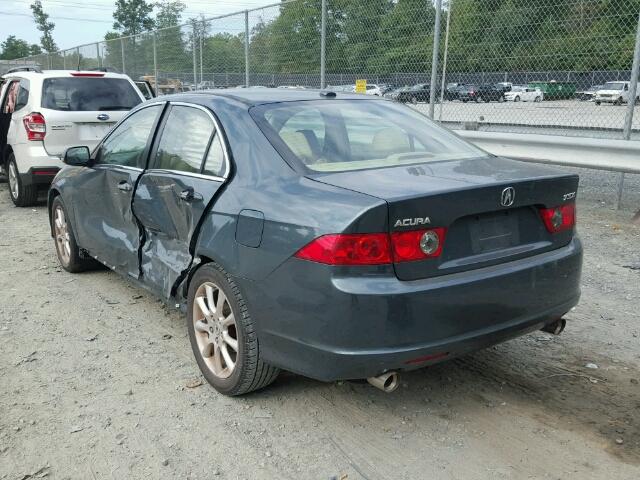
x,y
124,186
187,194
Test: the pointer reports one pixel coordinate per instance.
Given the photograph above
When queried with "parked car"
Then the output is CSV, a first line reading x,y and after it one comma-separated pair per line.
x,y
524,94
468,93
206,85
373,89
337,236
451,90
42,113
146,89
488,92
418,93
589,94
616,93
394,93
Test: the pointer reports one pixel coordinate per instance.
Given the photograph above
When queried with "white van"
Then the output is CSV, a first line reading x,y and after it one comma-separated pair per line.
x,y
614,92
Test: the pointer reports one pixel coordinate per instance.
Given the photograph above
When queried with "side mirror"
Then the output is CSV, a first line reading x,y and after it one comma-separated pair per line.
x,y
78,156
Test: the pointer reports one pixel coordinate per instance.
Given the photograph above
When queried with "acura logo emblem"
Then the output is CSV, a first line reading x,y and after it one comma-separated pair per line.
x,y
508,196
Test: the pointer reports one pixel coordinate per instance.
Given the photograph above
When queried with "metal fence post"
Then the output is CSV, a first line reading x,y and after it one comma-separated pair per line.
x,y
98,58
444,60
155,65
201,67
631,102
64,60
124,70
246,48
434,59
195,62
323,43
78,55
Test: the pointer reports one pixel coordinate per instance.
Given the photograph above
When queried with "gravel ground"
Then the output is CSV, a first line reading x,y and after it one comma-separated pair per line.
x,y
98,381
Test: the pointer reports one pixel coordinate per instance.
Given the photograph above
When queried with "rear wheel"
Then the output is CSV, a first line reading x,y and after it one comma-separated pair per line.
x,y
517,99
500,99
537,99
223,336
618,101
598,103
67,249
21,195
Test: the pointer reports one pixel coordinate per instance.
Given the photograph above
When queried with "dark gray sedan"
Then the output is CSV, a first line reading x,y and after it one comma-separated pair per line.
x,y
334,235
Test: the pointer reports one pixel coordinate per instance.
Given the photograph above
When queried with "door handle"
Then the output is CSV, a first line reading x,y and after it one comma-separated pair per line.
x,y
187,194
124,186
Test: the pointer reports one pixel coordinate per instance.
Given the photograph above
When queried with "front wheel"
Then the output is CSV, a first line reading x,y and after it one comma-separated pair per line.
x,y
223,336
67,248
21,195
598,103
517,99
537,99
618,101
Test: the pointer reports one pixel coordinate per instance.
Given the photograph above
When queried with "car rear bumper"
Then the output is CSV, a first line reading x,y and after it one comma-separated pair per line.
x,y
330,327
35,165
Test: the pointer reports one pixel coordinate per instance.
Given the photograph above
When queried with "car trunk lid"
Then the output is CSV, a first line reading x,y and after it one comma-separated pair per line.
x,y
466,197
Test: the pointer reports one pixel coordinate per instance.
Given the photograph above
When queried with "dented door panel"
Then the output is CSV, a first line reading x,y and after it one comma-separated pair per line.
x,y
106,224
169,206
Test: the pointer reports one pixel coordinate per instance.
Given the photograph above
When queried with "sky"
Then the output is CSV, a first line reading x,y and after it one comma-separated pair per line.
x,y
83,21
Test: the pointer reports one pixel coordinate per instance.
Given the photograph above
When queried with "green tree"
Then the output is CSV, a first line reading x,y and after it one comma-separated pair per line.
x,y
13,48
170,13
133,16
45,26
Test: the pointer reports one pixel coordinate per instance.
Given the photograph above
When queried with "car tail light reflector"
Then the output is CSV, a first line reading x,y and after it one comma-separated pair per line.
x,y
374,248
558,219
85,74
348,249
417,244
35,126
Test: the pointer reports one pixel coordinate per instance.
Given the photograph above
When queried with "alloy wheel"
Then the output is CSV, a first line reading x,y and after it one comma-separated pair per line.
x,y
215,329
14,186
61,231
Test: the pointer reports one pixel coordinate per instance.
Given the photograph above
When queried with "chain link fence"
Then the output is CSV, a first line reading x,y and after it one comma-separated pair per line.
x,y
560,67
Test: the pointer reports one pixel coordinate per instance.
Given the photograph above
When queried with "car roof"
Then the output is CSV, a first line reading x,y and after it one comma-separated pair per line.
x,y
261,96
31,75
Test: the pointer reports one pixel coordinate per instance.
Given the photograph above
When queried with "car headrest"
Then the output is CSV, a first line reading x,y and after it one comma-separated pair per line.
x,y
391,140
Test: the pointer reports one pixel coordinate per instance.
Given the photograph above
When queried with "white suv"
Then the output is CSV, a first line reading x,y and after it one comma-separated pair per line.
x,y
44,113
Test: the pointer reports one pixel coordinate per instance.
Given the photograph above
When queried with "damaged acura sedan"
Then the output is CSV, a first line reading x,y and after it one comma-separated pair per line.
x,y
333,235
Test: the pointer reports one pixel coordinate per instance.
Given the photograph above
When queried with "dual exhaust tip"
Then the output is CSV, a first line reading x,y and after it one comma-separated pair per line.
x,y
389,381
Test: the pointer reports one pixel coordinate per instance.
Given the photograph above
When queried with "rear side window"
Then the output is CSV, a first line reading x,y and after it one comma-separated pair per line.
x,y
10,98
184,141
214,165
23,94
81,94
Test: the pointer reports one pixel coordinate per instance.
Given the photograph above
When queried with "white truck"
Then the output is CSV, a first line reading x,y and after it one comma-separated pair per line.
x,y
615,92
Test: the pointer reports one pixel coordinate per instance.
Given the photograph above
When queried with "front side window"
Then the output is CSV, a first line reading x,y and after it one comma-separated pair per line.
x,y
11,96
88,94
127,144
184,141
344,135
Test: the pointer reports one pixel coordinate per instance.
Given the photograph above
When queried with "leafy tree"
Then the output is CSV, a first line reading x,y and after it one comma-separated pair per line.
x,y
133,16
13,48
169,14
45,26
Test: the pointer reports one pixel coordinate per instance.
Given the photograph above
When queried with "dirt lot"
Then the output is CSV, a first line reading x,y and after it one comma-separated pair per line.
x,y
97,375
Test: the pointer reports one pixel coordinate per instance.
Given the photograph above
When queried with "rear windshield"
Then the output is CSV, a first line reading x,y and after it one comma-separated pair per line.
x,y
344,135
88,94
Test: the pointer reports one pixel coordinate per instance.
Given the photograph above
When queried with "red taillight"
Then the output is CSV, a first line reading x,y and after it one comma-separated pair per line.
x,y
417,244
85,74
352,249
35,126
558,219
374,248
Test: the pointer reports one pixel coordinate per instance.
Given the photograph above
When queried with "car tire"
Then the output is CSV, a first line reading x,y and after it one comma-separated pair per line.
x,y
618,101
64,237
465,101
598,103
537,99
517,99
500,99
216,324
21,195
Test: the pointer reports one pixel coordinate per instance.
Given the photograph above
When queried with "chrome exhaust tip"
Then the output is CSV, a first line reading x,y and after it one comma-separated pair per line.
x,y
555,328
387,382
